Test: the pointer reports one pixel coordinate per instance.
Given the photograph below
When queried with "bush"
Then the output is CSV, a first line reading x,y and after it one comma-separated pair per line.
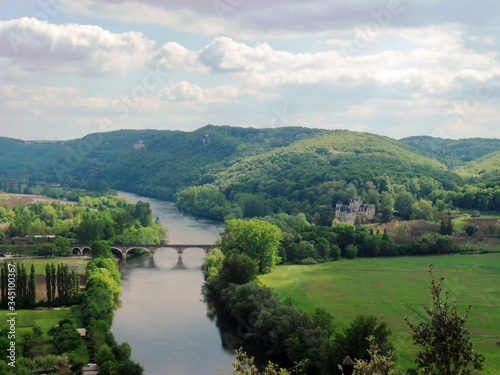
x,y
471,229
308,261
351,252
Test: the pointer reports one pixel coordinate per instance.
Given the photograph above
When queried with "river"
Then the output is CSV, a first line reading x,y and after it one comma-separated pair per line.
x,y
163,316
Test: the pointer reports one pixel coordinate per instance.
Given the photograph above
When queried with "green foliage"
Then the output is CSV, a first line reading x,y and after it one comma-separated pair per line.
x,y
446,227
212,265
61,246
403,204
452,152
204,201
386,206
66,338
351,251
244,365
423,210
471,229
258,239
33,343
101,249
378,363
237,269
486,168
102,293
353,341
445,346
143,214
279,326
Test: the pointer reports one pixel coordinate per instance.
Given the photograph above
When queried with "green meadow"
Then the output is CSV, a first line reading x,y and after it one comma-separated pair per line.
x,y
391,288
40,263
45,319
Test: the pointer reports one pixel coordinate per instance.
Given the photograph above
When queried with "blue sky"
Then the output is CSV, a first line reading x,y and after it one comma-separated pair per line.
x,y
397,67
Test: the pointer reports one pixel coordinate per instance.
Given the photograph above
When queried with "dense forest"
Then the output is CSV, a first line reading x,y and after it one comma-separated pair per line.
x,y
230,172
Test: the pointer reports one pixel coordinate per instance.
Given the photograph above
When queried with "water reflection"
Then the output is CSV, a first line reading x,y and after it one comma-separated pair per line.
x,y
180,265
163,315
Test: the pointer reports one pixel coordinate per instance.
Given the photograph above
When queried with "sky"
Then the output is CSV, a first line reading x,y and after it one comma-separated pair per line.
x,y
391,67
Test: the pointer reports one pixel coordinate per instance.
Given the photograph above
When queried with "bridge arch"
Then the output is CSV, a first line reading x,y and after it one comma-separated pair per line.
x,y
76,251
117,252
86,251
138,248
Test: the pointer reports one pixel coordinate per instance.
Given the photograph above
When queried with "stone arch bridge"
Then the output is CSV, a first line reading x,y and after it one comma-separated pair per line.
x,y
151,249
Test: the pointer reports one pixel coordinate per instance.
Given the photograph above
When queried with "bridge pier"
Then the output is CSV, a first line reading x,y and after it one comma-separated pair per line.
x,y
180,251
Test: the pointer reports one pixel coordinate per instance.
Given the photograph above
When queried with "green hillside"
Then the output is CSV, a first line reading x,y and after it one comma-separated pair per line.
x,y
179,159
257,171
487,169
309,174
452,152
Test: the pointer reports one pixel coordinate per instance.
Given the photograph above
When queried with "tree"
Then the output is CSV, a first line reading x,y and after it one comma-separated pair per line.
x,y
471,229
335,252
32,286
212,265
402,204
353,340
61,246
387,206
143,213
244,365
446,228
101,249
33,342
351,251
66,338
258,239
378,363
90,229
237,269
445,346
423,210
129,367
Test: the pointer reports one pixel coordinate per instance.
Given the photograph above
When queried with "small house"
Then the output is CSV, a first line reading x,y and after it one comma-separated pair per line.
x,y
82,332
90,369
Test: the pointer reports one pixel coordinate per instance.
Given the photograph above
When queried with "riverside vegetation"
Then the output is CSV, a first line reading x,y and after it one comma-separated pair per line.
x,y
99,221
310,340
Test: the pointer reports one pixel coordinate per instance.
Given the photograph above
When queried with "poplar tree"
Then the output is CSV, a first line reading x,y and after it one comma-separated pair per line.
x,y
32,286
53,277
48,283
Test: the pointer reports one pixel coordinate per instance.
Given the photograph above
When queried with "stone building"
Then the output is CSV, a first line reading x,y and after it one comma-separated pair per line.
x,y
355,210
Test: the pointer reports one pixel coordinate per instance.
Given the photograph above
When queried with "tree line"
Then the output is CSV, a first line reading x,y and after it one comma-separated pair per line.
x,y
309,343
25,286
92,219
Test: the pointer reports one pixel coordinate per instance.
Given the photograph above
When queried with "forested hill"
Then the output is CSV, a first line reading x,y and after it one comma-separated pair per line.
x,y
150,162
453,153
287,169
313,175
485,169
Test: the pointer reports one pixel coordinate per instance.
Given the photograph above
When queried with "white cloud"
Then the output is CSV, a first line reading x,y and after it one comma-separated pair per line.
x,y
183,91
173,56
84,49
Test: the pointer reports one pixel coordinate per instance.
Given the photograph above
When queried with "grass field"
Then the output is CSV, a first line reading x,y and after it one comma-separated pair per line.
x,y
40,263
391,288
45,319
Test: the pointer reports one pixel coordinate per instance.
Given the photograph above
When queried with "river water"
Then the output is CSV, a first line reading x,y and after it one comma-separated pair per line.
x,y
163,316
